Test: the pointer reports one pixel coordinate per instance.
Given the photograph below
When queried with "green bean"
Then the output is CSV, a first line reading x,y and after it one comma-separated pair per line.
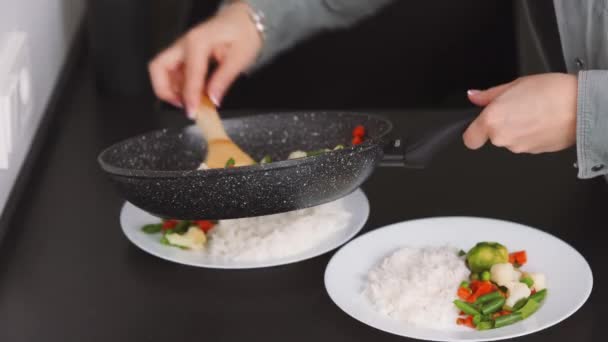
x,y
488,297
529,309
466,307
152,228
485,325
482,318
485,275
465,284
528,281
164,241
507,319
539,296
493,306
182,227
520,304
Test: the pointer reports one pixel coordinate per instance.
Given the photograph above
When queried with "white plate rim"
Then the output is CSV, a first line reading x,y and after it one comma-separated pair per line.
x,y
363,212
379,230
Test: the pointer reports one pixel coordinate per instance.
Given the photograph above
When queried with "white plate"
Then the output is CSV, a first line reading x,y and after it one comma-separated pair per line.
x,y
569,278
133,218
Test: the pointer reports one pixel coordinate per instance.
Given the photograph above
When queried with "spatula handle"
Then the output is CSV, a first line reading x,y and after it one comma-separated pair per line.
x,y
209,122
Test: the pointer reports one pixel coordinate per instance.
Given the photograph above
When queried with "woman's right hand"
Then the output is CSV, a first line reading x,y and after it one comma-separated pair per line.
x,y
179,73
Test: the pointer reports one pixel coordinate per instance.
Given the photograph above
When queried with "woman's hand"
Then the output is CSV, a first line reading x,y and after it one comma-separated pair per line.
x,y
179,73
532,114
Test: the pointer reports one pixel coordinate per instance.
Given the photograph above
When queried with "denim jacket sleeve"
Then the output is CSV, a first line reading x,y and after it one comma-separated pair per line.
x,y
592,123
289,21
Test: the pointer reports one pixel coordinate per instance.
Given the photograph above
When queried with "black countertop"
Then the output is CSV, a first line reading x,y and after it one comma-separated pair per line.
x,y
68,274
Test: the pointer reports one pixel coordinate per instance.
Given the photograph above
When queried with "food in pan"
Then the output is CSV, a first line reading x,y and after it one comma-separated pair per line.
x,y
358,136
256,238
302,154
416,285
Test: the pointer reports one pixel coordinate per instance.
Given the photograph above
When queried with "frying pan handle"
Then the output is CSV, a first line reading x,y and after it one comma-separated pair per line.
x,y
418,151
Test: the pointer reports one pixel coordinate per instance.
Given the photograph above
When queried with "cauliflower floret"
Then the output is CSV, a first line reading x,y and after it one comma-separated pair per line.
x,y
517,274
194,238
540,282
297,154
516,292
503,274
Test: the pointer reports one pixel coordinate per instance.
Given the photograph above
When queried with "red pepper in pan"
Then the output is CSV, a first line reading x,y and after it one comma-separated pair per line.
x,y
358,134
359,131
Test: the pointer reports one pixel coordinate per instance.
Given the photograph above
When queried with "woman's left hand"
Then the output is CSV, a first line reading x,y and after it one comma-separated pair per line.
x,y
532,114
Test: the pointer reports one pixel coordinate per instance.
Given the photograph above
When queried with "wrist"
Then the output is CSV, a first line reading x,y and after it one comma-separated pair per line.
x,y
254,16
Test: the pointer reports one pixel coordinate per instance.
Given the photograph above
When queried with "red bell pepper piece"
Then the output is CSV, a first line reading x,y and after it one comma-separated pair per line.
x,y
205,225
169,224
464,293
480,288
468,321
359,131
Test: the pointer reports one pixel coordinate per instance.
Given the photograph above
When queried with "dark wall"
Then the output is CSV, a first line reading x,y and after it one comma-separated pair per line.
x,y
412,54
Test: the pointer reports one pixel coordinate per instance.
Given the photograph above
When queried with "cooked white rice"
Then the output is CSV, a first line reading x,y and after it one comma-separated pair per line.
x,y
418,286
258,239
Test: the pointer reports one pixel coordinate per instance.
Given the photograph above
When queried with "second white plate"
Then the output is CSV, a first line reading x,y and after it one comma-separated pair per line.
x,y
569,277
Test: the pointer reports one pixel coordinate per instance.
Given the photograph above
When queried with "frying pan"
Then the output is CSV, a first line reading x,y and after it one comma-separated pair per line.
x,y
157,171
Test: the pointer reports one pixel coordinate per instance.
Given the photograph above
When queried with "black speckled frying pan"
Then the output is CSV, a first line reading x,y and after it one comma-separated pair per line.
x,y
157,171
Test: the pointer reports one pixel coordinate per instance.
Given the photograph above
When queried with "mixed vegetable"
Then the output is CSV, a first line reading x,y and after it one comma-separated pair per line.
x,y
182,234
497,293
358,136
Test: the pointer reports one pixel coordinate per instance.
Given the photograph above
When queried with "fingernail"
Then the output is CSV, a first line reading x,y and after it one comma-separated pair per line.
x,y
177,104
472,92
191,115
215,99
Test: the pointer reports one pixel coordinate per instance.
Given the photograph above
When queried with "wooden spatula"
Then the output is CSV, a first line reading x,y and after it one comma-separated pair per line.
x,y
220,148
